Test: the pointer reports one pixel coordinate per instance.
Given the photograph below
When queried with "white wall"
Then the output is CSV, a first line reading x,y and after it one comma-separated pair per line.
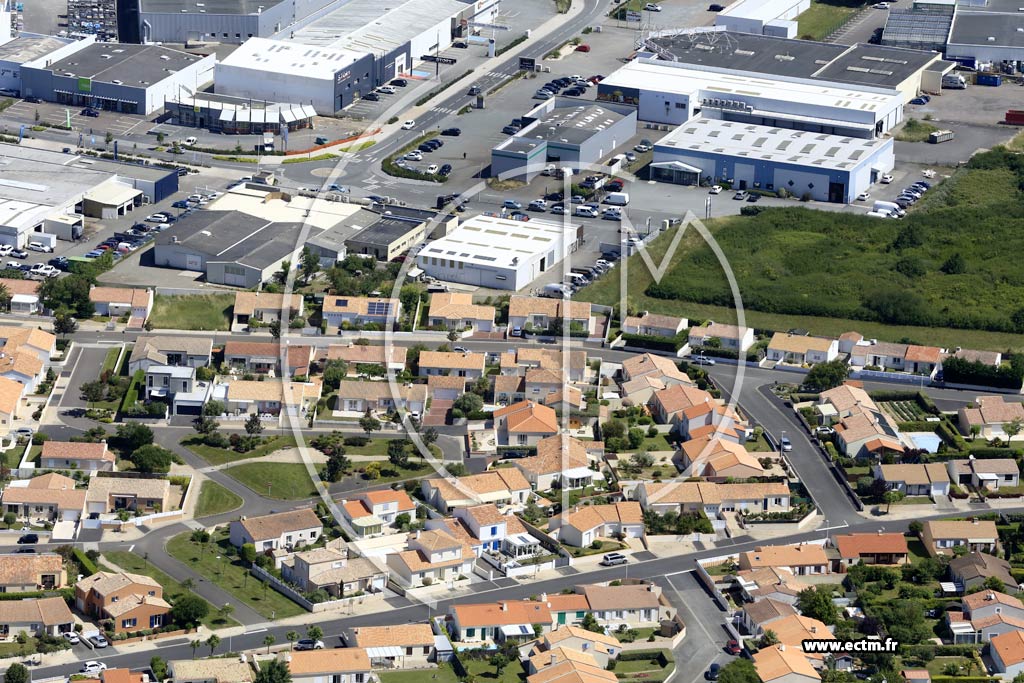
x,y
198,74
652,107
422,44
258,83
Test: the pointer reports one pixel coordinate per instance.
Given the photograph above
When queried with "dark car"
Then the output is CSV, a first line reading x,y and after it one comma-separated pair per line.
x,y
574,92
435,143
513,455
33,100
400,82
182,172
66,150
712,673
510,130
60,263
25,550
715,8
452,132
91,113
461,44
446,169
180,204
754,198
919,101
425,148
614,186
27,539
372,97
475,90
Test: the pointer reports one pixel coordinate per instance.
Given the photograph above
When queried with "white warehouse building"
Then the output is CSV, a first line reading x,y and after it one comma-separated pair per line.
x,y
501,253
767,17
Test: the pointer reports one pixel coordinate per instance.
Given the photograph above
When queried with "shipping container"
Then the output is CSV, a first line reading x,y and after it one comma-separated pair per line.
x,y
1015,117
994,80
941,136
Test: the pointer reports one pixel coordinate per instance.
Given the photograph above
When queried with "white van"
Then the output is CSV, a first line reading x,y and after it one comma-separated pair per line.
x,y
617,198
889,207
586,211
576,280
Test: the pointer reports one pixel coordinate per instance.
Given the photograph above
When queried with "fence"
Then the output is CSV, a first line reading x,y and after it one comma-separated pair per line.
x,y
709,583
299,599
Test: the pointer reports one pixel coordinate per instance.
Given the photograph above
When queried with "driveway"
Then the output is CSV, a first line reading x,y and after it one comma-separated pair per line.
x,y
85,364
705,634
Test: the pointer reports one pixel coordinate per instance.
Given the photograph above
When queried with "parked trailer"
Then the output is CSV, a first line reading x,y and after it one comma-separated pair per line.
x,y
941,136
1015,117
993,80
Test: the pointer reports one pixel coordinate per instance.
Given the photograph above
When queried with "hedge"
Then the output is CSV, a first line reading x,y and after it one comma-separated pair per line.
x,y
663,657
951,436
917,426
68,593
941,650
994,453
960,371
642,341
87,566
716,353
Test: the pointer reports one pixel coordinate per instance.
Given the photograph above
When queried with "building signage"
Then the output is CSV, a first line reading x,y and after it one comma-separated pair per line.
x,y
439,60
527,64
633,15
84,85
342,76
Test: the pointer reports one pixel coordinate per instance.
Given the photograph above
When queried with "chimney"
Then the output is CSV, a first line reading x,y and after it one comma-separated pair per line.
x,y
504,606
554,659
543,597
975,521
879,532
990,596
417,533
782,647
814,629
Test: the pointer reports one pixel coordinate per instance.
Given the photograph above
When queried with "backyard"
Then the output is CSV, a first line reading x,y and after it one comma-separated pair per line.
x,y
443,674
652,669
197,312
214,499
212,561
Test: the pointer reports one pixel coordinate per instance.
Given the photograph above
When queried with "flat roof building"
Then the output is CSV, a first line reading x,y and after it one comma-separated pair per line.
x,y
770,17
27,47
221,21
500,253
238,115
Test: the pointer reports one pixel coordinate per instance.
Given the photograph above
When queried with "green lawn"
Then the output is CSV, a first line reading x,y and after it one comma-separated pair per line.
x,y
657,443
198,312
443,674
915,131
482,670
172,588
759,445
646,670
13,648
606,547
214,499
642,635
212,563
219,456
110,360
277,480
822,18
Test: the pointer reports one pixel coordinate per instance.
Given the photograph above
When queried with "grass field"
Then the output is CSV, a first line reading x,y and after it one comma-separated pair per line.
x,y
798,268
481,670
219,456
1017,143
443,674
213,563
915,131
200,312
821,18
277,480
214,499
172,589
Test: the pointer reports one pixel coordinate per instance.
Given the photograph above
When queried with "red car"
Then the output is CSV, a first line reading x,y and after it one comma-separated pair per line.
x,y
614,186
733,647
583,48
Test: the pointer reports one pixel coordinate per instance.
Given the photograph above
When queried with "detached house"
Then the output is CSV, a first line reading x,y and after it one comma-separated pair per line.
x,y
35,617
28,572
564,461
51,497
524,423
360,310
137,304
338,665
10,396
392,358
719,460
402,646
498,621
796,349
915,479
209,671
468,365
941,536
653,325
110,494
784,664
1007,652
985,474
279,530
387,504
536,314
434,556
667,405
584,525
132,601
880,548
194,352
89,457
635,604
503,487
801,560
264,307
178,387
985,615
757,616
456,311
988,415
712,498
331,569
971,570
731,337
24,295
603,648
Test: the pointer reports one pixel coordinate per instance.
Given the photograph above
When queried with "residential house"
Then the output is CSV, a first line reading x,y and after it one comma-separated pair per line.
x,y
649,324
713,498
337,665
68,455
485,523
51,497
503,487
269,397
648,364
387,504
507,389
360,311
878,548
290,529
635,604
801,560
35,617
468,365
988,416
392,358
24,354
711,419
572,671
776,583
11,392
984,474
915,479
401,646
115,302
784,664
24,296
265,357
730,337
523,358
847,399
117,676
524,424
795,349
557,656
489,530
566,609
561,460
363,522
177,386
540,383
212,670
668,404
264,307
28,572
498,621
794,629
600,646
566,399
1007,653
758,616
973,569
977,535
133,602
378,397
330,569
434,556
584,525
719,460
537,314
992,358
456,311
112,494
194,352
918,360
985,614
916,676
867,434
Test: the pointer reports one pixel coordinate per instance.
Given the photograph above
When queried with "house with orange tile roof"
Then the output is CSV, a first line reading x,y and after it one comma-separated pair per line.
x,y
433,556
572,671
777,583
556,656
133,602
566,609
264,307
332,570
399,646
392,358
118,301
51,497
24,355
456,311
916,676
792,630
988,415
711,418
503,487
337,665
713,498
540,382
27,572
802,560
940,536
386,504
523,358
758,615
915,479
730,337
524,423
35,616
498,621
531,313
602,647
635,604
891,357
11,392
784,664
1007,653
265,357
649,324
588,523
486,523
88,457
669,403
24,295
718,460
290,529
985,614
877,548
456,364
357,311
563,460
801,349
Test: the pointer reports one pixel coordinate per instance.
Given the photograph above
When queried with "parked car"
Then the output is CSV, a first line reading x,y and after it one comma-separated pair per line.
x,y
400,82
180,204
513,455
371,97
613,559
452,132
863,196
886,179
156,218
386,89
641,148
414,155
33,100
71,637
98,641
19,253
6,249
583,48
445,169
741,195
309,644
614,185
511,130
39,246
702,360
91,113
409,125
511,204
733,647
474,91
28,539
754,198
60,262
712,673
881,5
919,101
558,209
542,95
537,205
92,667
432,169
786,444
824,431
612,214
44,270
25,550
715,189
715,8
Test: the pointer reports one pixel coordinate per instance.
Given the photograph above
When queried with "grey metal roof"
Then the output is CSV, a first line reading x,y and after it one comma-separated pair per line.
x,y
920,26
26,48
385,231
876,65
133,65
976,28
207,6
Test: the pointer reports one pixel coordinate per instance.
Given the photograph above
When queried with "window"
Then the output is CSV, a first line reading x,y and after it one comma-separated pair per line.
x,y
114,599
128,623
778,501
470,632
522,439
680,105
494,531
408,650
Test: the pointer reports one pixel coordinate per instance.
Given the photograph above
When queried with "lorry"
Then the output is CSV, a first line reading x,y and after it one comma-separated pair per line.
x,y
617,198
938,136
889,207
954,82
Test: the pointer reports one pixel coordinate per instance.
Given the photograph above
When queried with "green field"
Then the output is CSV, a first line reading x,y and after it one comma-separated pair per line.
x,y
219,456
822,18
444,674
213,563
835,272
200,312
214,499
277,480
172,589
915,131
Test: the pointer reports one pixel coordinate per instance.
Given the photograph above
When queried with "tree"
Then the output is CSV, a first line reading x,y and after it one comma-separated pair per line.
x,y
315,632
337,465
975,430
825,376
16,673
64,324
372,471
891,497
189,610
213,641
195,645
205,424
10,519
499,661
152,458
108,138
213,408
398,452
590,623
5,297
131,437
291,636
309,265
635,436
335,372
739,671
269,640
253,425
274,671
468,403
993,583
816,602
1012,429
369,423
916,527
188,584
159,667
275,329
769,638
225,611
68,295
93,391
248,553
613,429
281,275
954,265
429,435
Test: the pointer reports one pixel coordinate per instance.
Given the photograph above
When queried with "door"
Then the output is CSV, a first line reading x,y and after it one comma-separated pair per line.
x,y
837,193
